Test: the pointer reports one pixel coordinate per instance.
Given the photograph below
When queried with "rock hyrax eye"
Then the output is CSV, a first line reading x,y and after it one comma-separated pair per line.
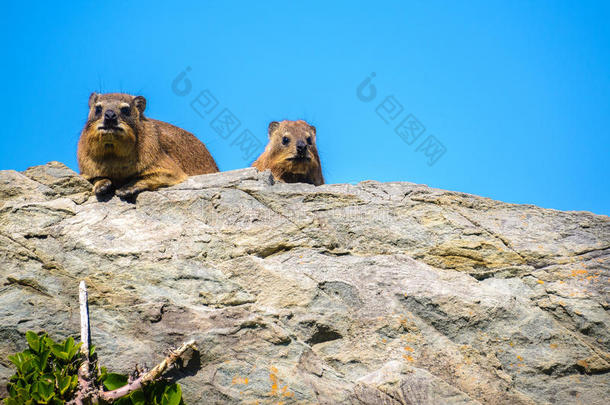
x,y
309,140
98,109
126,111
285,140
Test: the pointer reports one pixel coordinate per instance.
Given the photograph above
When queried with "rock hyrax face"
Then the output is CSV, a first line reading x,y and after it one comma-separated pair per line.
x,y
112,123
293,143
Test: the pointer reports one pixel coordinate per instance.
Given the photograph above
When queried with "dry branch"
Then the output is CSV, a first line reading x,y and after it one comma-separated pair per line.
x,y
86,389
156,372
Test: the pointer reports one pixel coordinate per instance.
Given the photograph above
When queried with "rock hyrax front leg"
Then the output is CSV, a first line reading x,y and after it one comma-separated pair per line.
x,y
102,186
151,181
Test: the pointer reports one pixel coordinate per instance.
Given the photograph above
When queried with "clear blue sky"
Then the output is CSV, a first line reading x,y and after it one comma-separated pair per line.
x,y
516,92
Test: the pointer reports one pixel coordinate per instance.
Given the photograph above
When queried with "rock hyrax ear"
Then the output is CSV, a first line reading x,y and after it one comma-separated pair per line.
x,y
140,103
92,99
273,125
313,129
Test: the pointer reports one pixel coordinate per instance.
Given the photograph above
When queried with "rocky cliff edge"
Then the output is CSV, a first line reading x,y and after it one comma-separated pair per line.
x,y
389,293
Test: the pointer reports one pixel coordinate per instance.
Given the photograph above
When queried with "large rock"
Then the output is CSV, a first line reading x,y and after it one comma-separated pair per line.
x,y
390,293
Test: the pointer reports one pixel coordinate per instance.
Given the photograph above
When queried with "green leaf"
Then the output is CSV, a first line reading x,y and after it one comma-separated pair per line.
x,y
43,358
114,381
33,340
45,390
73,382
24,392
48,378
43,340
74,350
63,383
19,359
70,348
68,344
138,398
102,374
172,395
12,390
58,351
23,362
48,341
36,364
154,392
15,359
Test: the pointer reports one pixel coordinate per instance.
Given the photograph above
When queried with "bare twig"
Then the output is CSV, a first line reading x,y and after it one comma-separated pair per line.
x,y
85,388
85,331
156,372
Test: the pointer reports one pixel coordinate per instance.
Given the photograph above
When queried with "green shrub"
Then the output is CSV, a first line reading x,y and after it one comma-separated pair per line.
x,y
47,373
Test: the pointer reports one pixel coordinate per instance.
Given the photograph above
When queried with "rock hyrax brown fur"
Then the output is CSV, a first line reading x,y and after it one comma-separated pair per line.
x,y
121,149
291,153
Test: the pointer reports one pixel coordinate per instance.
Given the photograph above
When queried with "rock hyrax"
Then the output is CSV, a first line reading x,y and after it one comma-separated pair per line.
x,y
121,149
291,153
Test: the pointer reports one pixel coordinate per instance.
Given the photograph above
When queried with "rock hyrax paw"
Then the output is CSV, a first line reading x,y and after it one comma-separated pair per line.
x,y
102,187
127,192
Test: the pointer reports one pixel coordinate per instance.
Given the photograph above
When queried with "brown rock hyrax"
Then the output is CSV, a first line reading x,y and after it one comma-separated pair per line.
x,y
121,149
291,153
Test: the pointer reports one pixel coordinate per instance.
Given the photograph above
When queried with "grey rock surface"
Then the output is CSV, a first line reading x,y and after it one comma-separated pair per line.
x,y
375,293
